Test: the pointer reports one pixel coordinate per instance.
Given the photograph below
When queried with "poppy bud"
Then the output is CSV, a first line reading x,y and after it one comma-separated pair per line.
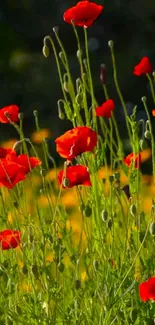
x,y
109,223
78,85
110,44
147,135
114,215
77,284
117,176
66,87
142,144
87,211
152,228
79,99
45,51
103,180
35,113
60,111
82,207
96,265
35,271
133,210
21,116
62,57
103,73
24,269
79,54
144,99
104,215
61,267
66,182
153,74
55,29
111,179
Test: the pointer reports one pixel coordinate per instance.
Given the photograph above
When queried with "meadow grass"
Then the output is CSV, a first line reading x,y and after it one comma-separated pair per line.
x,y
84,250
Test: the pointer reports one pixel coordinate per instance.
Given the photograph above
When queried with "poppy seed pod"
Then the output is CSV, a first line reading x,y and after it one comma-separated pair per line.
x,y
152,228
45,51
133,210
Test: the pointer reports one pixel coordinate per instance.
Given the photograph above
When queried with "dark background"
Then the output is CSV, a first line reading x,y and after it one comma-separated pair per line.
x,y
31,81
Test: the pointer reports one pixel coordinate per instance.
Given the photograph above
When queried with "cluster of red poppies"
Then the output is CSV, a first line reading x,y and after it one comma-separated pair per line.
x,y
13,169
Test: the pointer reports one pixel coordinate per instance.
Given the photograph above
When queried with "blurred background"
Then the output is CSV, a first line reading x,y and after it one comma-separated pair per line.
x,y
31,81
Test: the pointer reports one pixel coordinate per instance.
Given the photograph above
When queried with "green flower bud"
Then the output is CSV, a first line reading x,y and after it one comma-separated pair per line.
x,y
104,215
133,210
96,265
111,179
77,284
62,57
61,267
88,211
152,228
144,99
45,51
109,223
55,29
35,113
79,98
110,44
117,176
147,135
66,182
21,116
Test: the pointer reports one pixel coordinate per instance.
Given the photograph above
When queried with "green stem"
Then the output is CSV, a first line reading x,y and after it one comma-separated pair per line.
x,y
152,138
117,86
151,86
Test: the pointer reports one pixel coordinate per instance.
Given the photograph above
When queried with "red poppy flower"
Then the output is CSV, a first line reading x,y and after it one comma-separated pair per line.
x,y
9,239
4,152
11,111
153,112
147,289
143,67
10,173
74,175
83,14
132,158
105,109
28,163
76,141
